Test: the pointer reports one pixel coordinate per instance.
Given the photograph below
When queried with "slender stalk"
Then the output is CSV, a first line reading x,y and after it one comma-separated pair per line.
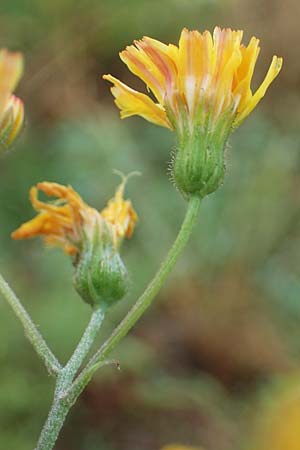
x,y
85,343
30,328
144,300
67,391
53,425
61,405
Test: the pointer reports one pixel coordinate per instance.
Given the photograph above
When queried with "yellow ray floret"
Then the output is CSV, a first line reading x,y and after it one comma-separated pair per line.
x,y
68,220
131,102
207,74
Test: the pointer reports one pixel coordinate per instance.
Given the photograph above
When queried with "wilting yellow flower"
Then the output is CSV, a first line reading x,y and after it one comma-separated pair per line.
x,y
202,90
69,220
11,107
92,237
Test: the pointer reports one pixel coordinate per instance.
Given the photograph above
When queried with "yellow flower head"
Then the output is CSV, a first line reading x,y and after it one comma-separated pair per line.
x,y
91,237
277,418
68,221
203,91
11,107
180,447
194,83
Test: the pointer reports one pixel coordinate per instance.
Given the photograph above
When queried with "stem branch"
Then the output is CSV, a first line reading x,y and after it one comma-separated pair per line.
x,y
61,405
30,328
144,300
67,390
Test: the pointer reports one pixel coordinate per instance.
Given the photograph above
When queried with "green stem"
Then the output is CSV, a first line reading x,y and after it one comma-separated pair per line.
x,y
61,405
30,329
66,393
85,343
143,302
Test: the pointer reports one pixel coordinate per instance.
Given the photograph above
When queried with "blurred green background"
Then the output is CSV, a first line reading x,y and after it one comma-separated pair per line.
x,y
201,366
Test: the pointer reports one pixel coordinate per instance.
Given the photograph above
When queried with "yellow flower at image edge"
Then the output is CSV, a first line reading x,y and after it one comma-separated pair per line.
x,y
11,107
93,238
276,426
180,447
203,91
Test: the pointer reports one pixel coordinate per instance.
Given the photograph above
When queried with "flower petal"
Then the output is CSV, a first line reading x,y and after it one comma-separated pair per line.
x,y
139,63
272,73
131,102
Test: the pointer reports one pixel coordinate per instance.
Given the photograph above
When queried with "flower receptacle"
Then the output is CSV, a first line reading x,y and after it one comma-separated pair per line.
x,y
100,276
199,163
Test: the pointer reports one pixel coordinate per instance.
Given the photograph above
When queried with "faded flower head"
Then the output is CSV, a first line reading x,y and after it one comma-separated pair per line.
x,y
11,107
93,238
203,91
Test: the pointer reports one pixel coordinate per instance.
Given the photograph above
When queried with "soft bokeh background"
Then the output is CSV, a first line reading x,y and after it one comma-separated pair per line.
x,y
215,361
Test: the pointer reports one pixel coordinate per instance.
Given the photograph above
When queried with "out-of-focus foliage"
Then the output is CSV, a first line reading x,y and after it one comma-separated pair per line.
x,y
228,320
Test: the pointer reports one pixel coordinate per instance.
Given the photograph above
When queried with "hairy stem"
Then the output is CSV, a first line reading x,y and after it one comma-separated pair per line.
x,y
30,328
144,300
67,391
61,405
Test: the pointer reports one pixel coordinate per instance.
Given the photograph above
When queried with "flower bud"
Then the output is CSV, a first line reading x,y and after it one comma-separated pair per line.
x,y
11,107
11,122
100,276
